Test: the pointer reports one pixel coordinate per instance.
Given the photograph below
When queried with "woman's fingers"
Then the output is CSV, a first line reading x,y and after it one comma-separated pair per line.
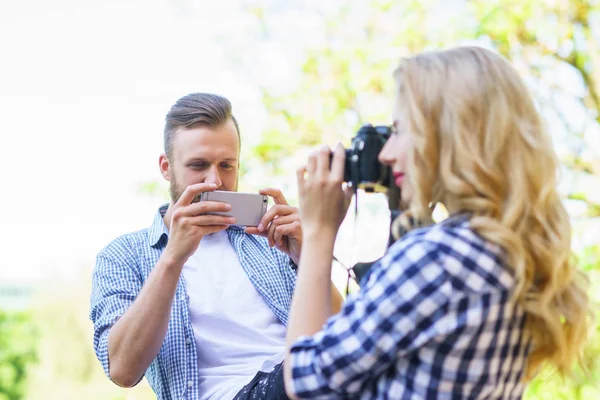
x,y
338,163
323,164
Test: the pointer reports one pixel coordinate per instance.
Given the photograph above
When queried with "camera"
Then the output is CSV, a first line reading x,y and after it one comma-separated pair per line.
x,y
363,170
362,167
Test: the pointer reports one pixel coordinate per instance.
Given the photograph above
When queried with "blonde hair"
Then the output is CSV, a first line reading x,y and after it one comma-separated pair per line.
x,y
479,145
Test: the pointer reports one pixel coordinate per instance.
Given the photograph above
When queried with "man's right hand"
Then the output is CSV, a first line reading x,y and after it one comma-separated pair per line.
x,y
189,222
135,339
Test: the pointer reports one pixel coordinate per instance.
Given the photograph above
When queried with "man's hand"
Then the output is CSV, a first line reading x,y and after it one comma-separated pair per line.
x,y
281,225
189,222
135,339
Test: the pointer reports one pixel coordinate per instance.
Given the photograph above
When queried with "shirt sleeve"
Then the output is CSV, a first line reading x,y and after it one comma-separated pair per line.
x,y
116,282
288,269
400,308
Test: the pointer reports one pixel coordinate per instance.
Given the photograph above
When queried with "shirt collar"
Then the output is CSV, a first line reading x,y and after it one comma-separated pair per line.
x,y
158,232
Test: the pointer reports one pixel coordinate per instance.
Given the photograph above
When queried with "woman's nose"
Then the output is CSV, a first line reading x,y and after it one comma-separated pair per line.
x,y
386,155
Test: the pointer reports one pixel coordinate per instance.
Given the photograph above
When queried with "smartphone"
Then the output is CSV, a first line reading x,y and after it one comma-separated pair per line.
x,y
247,208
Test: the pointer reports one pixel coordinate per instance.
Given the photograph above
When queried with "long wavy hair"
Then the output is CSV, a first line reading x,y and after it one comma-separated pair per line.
x,y
480,146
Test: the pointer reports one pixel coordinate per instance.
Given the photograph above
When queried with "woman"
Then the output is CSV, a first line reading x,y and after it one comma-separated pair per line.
x,y
467,308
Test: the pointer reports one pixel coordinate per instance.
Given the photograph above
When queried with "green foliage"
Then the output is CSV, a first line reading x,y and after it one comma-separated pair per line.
x,y
548,39
158,189
17,353
559,29
585,382
345,79
68,368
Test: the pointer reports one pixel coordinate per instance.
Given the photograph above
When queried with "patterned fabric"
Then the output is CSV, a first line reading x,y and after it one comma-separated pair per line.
x,y
433,320
124,265
265,386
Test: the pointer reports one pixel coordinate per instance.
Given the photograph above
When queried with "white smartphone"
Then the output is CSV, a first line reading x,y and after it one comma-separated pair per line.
x,y
247,208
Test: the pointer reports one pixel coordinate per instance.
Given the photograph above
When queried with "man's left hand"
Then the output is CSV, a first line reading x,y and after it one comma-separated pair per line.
x,y
280,225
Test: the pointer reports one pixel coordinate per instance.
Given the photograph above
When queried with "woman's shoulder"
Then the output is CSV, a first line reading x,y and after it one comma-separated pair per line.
x,y
471,262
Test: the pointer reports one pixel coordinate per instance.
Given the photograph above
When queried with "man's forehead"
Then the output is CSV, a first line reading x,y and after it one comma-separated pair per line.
x,y
226,131
208,153
206,142
211,157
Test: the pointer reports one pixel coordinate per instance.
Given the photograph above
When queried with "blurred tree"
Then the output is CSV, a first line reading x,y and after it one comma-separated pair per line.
x,y
344,80
68,368
345,76
557,43
17,353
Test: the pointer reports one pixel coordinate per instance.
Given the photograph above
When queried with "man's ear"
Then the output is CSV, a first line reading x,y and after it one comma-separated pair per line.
x,y
164,165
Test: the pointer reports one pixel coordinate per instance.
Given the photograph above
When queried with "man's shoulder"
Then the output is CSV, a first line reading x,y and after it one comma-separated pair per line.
x,y
126,244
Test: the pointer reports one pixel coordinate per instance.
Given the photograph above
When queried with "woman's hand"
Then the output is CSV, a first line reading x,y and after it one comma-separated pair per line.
x,y
323,201
323,206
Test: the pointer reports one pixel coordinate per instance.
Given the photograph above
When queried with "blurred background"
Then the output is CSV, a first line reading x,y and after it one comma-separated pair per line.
x,y
85,86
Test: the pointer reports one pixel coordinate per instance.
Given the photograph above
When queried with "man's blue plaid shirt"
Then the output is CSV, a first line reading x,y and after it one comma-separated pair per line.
x,y
433,320
123,267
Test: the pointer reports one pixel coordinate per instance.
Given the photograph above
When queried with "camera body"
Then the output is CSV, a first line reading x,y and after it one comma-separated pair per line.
x,y
362,167
363,170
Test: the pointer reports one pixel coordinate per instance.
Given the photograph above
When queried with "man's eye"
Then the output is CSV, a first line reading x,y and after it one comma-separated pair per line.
x,y
226,166
198,165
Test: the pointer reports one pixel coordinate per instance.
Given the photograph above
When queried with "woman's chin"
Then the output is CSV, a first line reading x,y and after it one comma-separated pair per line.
x,y
405,199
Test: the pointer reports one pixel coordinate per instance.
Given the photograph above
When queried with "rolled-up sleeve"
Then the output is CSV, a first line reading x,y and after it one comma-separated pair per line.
x,y
116,283
401,307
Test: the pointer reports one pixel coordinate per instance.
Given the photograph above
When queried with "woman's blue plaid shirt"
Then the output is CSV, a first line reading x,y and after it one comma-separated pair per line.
x,y
433,320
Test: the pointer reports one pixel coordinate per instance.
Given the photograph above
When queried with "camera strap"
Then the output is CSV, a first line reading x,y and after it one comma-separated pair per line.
x,y
355,173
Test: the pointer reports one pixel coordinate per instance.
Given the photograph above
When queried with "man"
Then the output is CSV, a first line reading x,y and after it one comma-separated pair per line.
x,y
195,303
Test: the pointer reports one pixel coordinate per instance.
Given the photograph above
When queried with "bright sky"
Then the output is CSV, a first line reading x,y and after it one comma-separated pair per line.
x,y
84,87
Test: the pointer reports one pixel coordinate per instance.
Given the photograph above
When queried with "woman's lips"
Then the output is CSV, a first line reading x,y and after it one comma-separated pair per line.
x,y
398,178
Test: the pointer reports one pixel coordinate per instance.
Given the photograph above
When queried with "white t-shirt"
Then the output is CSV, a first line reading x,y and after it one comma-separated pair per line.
x,y
236,332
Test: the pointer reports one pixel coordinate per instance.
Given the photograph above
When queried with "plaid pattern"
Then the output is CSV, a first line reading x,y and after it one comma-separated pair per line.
x,y
124,265
433,320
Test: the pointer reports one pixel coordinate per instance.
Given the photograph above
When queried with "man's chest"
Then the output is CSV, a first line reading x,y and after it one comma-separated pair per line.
x,y
217,283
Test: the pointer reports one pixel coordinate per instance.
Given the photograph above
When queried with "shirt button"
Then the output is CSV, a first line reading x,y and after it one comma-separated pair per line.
x,y
188,341
190,383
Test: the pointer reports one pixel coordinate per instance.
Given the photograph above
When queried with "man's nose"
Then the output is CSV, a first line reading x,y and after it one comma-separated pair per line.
x,y
214,177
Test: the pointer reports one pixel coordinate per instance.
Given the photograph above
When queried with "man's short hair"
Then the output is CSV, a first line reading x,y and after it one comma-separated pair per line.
x,y
197,109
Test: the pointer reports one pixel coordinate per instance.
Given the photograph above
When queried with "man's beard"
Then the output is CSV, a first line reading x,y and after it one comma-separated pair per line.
x,y
175,190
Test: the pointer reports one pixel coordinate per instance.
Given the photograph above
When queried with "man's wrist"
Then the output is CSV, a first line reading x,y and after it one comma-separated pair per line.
x,y
171,262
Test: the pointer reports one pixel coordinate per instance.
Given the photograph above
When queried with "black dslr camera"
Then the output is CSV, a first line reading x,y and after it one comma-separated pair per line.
x,y
362,167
